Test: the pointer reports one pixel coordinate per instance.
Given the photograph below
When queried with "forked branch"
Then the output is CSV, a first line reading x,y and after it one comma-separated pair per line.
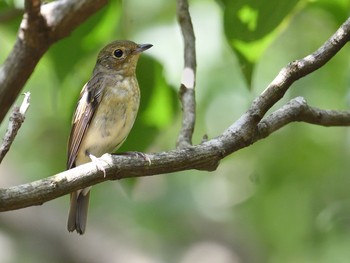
x,y
188,82
249,128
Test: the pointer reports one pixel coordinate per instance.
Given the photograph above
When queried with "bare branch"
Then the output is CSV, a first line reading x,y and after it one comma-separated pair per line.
x,y
298,69
40,28
188,82
205,156
298,110
16,120
116,167
248,129
32,10
245,127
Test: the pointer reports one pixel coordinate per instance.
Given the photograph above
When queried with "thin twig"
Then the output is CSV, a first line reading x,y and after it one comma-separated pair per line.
x,y
188,82
16,120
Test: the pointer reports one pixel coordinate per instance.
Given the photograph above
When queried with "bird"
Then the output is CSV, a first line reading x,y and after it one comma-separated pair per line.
x,y
104,116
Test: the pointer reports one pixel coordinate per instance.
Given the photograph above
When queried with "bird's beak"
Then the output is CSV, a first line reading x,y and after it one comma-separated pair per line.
x,y
142,47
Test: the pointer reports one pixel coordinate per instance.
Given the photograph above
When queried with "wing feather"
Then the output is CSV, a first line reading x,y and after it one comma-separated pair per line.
x,y
90,98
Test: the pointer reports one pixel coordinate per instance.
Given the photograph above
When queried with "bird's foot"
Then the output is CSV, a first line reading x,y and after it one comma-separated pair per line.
x,y
98,163
144,156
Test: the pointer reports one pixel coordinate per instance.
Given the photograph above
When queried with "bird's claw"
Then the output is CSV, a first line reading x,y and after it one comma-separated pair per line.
x,y
98,163
144,156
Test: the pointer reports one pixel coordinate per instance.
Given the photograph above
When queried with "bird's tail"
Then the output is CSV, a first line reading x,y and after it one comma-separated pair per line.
x,y
79,204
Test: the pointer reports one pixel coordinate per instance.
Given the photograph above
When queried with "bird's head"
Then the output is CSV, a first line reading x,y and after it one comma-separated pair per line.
x,y
121,56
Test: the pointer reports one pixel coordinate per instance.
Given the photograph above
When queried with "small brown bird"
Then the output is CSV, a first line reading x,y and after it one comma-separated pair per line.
x,y
104,116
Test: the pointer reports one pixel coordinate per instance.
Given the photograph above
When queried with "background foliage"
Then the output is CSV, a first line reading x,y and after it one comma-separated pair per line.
x,y
284,199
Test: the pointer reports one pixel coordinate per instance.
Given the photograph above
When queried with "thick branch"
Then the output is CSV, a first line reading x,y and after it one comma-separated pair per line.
x,y
116,167
188,82
40,28
205,156
248,129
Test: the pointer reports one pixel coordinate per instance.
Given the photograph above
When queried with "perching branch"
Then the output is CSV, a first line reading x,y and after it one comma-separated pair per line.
x,y
40,28
249,128
16,120
205,156
188,82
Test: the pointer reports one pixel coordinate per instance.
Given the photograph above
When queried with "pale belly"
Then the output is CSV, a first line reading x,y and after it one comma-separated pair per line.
x,y
109,127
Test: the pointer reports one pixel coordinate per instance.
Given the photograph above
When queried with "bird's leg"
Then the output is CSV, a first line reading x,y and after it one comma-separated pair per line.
x,y
144,156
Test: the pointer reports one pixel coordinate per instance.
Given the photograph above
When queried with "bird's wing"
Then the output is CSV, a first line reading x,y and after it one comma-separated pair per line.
x,y
90,97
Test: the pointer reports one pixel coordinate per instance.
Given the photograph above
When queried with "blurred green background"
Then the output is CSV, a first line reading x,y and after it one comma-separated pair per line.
x,y
284,199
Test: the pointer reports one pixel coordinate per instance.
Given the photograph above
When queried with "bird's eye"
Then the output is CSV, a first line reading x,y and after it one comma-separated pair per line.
x,y
118,53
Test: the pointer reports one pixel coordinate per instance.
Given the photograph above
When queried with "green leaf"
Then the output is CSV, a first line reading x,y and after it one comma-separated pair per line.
x,y
339,9
250,26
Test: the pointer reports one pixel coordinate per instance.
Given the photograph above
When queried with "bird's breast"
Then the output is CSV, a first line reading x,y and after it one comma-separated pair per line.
x,y
112,121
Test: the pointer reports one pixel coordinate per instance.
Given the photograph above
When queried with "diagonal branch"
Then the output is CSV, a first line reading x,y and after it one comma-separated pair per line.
x,y
16,120
248,129
245,126
41,27
188,82
205,156
298,69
